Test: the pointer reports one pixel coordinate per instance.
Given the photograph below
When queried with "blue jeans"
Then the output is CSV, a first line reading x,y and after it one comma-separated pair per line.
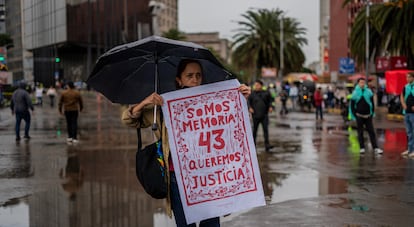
x,y
25,115
177,208
409,126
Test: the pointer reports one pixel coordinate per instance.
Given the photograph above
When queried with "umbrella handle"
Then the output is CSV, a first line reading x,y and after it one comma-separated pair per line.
x,y
154,124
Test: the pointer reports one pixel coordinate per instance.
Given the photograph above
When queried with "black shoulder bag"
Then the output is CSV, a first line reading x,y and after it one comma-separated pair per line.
x,y
150,168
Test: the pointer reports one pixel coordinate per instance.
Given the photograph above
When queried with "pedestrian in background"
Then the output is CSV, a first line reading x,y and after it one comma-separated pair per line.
x,y
20,105
407,102
51,93
283,96
318,100
260,104
39,94
71,104
293,95
362,109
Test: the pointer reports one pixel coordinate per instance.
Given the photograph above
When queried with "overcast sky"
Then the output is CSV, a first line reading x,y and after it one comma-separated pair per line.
x,y
221,16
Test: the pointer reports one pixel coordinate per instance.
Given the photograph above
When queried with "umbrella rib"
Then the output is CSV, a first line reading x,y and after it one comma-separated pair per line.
x,y
133,73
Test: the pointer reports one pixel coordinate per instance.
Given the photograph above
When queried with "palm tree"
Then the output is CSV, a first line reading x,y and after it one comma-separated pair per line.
x,y
391,30
257,42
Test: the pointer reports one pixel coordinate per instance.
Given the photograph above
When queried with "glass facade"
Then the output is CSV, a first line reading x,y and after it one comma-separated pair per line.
x,y
45,23
77,32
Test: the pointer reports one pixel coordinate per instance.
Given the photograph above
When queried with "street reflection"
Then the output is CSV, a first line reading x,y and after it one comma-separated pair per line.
x,y
93,183
15,213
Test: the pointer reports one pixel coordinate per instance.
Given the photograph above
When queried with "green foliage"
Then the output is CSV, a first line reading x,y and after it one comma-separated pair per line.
x,y
5,40
174,34
391,30
257,41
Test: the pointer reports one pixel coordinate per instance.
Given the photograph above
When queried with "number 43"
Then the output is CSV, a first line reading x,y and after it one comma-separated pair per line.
x,y
205,139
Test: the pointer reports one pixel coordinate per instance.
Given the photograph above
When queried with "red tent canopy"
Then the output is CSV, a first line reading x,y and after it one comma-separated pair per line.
x,y
395,81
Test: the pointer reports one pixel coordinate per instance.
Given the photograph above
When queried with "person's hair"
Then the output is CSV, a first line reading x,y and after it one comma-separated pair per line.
x,y
259,81
71,85
359,79
22,85
411,73
181,67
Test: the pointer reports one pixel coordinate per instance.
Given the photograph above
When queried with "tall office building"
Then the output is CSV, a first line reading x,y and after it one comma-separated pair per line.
x,y
2,16
14,29
65,37
340,21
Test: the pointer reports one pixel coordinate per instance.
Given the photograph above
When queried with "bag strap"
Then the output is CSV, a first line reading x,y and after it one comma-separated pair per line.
x,y
139,131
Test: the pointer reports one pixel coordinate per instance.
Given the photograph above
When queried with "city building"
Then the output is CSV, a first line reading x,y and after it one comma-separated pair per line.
x,y
2,17
14,29
335,32
221,47
59,40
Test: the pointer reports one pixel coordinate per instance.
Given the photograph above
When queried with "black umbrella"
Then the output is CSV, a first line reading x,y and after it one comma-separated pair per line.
x,y
128,73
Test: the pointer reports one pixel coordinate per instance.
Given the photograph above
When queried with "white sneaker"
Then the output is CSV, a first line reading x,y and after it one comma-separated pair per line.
x,y
405,153
362,151
378,150
75,141
69,140
411,155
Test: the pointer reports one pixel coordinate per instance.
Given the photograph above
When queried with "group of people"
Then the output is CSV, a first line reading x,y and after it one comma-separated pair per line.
x,y
70,104
260,102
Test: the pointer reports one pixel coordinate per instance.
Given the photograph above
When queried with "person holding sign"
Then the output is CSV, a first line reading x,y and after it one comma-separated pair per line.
x,y
189,74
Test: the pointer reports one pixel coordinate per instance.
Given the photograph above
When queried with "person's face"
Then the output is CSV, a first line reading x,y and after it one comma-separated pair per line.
x,y
257,86
361,83
410,78
191,76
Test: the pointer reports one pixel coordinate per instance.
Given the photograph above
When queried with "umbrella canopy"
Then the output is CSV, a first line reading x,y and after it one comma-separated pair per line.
x,y
128,73
300,77
359,75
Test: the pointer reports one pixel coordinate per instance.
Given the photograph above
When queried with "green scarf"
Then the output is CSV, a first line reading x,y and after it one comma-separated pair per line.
x,y
359,93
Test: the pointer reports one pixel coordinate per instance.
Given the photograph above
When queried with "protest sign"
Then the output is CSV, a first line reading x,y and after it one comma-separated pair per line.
x,y
212,150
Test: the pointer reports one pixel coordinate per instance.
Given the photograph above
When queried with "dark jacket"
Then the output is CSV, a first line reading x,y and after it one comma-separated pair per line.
x,y
20,101
260,101
361,106
409,99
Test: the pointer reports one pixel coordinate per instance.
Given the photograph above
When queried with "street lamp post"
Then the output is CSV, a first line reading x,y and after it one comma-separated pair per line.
x,y
367,3
281,50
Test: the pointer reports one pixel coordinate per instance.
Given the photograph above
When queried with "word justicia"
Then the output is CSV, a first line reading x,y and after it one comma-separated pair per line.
x,y
218,177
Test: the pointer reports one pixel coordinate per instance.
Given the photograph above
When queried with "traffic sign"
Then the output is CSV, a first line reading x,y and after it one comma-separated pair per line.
x,y
346,66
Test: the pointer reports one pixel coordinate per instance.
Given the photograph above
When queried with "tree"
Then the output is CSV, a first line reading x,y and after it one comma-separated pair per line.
x,y
5,40
174,34
391,31
257,42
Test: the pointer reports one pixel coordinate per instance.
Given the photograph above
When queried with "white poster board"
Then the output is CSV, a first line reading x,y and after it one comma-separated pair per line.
x,y
212,150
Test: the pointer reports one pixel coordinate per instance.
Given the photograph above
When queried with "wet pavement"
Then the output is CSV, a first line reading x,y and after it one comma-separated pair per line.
x,y
314,176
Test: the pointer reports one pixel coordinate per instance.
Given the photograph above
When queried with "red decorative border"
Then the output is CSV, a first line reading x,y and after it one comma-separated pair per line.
x,y
176,108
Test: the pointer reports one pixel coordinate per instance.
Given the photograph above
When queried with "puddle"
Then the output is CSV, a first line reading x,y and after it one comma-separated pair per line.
x,y
94,183
14,213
